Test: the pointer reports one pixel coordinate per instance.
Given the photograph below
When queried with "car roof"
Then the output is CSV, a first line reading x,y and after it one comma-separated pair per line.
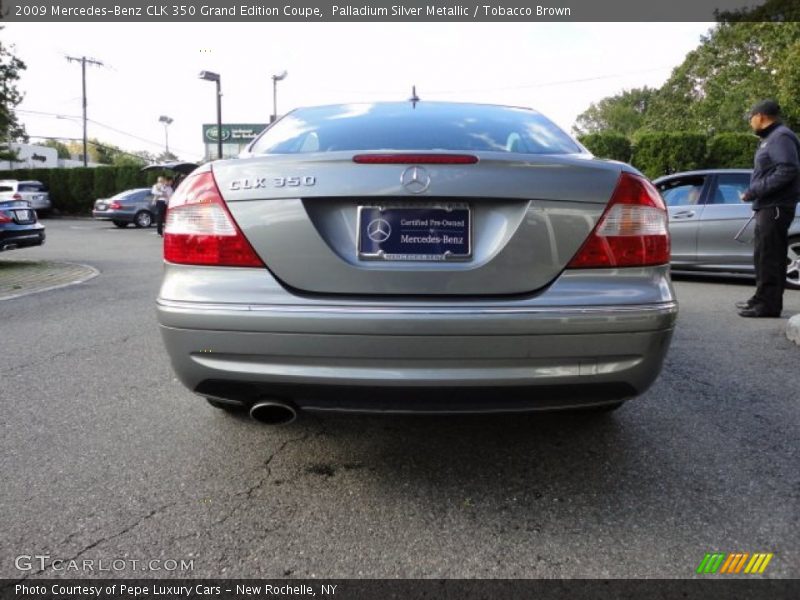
x,y
702,172
413,105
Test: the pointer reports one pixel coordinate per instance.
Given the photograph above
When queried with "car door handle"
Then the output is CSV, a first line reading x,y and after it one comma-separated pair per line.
x,y
684,214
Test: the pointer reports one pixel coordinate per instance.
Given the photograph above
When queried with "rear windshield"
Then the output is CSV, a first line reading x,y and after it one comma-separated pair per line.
x,y
130,194
431,126
30,187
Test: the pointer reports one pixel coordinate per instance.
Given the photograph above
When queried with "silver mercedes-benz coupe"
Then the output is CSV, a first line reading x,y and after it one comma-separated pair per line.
x,y
416,257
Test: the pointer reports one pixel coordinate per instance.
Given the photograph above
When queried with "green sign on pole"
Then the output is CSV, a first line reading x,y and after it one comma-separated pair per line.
x,y
232,133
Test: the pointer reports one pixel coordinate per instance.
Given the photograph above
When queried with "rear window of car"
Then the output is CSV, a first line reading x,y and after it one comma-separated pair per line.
x,y
129,195
431,126
30,187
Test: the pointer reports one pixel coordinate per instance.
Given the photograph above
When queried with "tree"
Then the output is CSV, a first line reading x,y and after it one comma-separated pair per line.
x,y
10,128
166,157
751,54
736,65
61,148
623,113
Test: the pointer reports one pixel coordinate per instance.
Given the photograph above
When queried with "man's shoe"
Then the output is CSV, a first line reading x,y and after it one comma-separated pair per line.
x,y
758,313
744,304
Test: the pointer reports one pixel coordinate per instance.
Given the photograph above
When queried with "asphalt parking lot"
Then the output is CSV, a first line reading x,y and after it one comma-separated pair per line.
x,y
104,455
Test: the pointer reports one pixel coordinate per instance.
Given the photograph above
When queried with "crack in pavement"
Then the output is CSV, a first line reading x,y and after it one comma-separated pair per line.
x,y
48,359
266,466
96,543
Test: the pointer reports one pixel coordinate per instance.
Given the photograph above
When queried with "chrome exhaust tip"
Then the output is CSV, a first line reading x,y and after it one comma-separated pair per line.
x,y
273,412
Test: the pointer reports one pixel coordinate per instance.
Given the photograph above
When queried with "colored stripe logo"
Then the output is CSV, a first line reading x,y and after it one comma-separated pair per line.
x,y
734,563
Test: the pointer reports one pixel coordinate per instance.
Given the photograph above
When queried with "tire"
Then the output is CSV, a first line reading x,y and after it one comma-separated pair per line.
x,y
143,219
225,405
793,264
121,224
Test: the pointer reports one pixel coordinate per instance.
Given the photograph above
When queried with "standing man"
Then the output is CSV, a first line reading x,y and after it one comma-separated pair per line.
x,y
161,192
774,191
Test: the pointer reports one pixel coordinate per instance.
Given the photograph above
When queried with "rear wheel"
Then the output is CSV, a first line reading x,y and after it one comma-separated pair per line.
x,y
143,219
121,224
793,264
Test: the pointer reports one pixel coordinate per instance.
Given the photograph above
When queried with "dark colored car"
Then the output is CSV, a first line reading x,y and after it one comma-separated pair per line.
x,y
131,206
19,226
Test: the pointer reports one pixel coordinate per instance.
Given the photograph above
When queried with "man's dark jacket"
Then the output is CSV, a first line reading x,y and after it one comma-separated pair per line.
x,y
776,177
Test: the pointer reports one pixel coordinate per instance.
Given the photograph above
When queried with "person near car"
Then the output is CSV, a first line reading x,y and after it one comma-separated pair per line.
x,y
162,190
774,191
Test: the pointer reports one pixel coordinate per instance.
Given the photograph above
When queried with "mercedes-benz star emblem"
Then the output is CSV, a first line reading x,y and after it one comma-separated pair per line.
x,y
415,179
379,230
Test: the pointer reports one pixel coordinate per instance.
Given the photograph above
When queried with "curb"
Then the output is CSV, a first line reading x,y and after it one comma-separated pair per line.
x,y
86,273
793,329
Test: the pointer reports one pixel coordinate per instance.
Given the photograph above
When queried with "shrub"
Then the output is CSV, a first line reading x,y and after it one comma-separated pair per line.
x,y
80,182
731,151
656,154
608,145
73,191
105,182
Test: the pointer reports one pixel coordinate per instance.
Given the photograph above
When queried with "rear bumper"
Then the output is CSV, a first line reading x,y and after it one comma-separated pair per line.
x,y
456,357
112,215
22,235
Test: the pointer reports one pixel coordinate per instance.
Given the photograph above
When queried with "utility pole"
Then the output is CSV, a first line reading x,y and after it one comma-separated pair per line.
x,y
83,60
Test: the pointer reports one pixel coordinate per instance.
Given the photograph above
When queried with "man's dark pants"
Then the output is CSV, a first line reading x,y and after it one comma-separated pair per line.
x,y
161,211
769,258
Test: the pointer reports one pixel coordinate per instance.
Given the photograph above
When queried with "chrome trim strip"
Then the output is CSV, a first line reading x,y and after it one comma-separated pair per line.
x,y
662,308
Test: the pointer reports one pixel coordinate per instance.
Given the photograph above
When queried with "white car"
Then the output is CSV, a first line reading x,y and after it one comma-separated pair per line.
x,y
35,192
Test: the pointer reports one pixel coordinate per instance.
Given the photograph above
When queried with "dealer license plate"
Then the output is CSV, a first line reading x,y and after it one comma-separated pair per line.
x,y
415,232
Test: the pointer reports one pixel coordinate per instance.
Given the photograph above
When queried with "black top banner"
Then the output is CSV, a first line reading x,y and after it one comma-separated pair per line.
x,y
401,11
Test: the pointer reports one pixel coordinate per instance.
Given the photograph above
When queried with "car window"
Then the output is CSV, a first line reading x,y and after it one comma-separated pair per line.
x,y
679,192
730,188
432,126
6,188
31,187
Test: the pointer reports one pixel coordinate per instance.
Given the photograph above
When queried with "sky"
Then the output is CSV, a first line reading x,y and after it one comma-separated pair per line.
x,y
151,70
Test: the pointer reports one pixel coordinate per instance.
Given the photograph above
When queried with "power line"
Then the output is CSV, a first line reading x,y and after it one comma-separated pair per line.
x,y
103,125
93,143
514,87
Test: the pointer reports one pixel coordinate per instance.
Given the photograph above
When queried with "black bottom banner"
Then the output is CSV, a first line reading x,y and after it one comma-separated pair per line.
x,y
358,589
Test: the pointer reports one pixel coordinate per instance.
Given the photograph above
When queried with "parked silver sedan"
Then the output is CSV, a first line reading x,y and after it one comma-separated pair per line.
x,y
416,257
708,219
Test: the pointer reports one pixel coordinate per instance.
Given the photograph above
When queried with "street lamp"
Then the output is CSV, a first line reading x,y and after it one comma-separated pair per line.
x,y
167,121
275,80
209,76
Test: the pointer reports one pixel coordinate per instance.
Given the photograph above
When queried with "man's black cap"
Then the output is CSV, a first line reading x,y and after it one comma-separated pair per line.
x,y
769,108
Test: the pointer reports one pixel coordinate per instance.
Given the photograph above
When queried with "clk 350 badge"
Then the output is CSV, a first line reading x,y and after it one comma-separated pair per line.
x,y
263,182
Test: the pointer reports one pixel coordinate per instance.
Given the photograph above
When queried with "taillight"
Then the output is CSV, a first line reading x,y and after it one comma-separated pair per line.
x,y
201,231
632,231
4,218
17,196
115,205
417,159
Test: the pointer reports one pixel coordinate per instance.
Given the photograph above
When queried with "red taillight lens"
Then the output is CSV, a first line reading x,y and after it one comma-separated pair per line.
x,y
17,196
4,218
200,230
115,205
632,232
417,159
